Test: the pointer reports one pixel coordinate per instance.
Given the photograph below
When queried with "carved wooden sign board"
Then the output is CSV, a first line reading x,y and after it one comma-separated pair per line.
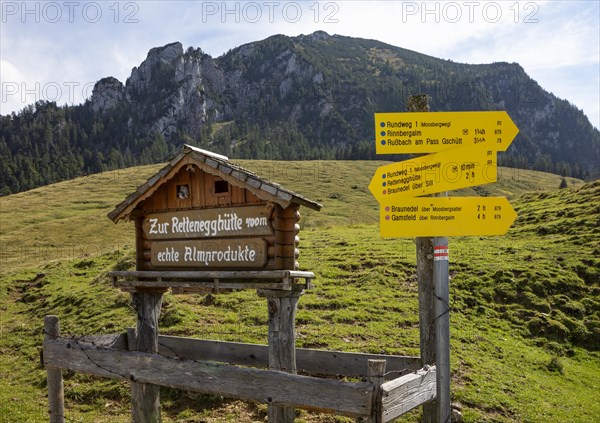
x,y
220,237
202,212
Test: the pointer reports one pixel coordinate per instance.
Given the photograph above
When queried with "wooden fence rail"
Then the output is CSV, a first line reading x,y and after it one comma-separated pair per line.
x,y
311,361
407,392
212,367
266,386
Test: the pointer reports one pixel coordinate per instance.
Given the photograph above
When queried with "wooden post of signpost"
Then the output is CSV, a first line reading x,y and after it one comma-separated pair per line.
x,y
145,398
56,396
282,307
418,103
376,375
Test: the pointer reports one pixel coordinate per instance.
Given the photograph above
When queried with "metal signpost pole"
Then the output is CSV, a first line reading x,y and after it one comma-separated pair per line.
x,y
442,328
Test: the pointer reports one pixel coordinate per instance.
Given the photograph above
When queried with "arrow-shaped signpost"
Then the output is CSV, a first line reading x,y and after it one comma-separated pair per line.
x,y
464,146
453,169
429,132
446,216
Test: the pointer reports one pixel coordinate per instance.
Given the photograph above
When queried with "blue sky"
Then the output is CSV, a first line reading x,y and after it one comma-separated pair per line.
x,y
57,50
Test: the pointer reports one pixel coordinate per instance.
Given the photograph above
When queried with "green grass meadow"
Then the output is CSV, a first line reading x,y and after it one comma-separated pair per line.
x,y
525,316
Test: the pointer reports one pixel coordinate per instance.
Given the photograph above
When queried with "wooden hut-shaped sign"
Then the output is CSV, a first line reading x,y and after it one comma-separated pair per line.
x,y
203,213
203,223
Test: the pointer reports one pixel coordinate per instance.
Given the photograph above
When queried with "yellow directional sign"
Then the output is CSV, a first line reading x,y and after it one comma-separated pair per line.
x,y
430,132
449,170
445,216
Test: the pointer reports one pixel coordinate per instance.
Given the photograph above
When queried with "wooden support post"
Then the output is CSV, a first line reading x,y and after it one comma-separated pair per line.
x,y
418,103
426,314
56,395
376,375
282,342
131,339
145,398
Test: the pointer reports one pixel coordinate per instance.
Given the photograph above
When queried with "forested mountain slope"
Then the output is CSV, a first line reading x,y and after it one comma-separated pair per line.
x,y
291,98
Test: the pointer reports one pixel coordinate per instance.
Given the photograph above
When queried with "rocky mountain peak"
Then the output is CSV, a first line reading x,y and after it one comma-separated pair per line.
x,y
327,87
157,65
166,53
317,36
107,93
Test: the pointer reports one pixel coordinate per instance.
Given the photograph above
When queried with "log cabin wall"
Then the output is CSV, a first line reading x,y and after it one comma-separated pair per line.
x,y
203,212
139,243
286,237
206,191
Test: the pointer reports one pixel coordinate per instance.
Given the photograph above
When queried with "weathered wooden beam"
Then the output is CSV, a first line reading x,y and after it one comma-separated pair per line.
x,y
181,281
407,392
282,343
376,375
419,103
115,341
221,274
56,396
145,398
351,364
200,286
310,361
266,386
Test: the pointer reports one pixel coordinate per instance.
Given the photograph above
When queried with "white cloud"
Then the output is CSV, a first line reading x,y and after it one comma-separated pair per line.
x,y
542,36
10,88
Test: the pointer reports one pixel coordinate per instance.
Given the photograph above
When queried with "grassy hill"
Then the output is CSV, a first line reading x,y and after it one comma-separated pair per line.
x,y
525,321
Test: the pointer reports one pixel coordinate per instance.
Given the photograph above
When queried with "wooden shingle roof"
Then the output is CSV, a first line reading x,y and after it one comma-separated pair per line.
x,y
218,165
